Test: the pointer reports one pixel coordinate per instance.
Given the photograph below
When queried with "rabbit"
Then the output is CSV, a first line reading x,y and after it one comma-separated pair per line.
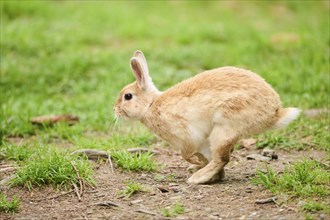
x,y
204,116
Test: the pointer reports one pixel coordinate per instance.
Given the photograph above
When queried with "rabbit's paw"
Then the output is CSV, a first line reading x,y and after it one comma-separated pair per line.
x,y
194,168
208,174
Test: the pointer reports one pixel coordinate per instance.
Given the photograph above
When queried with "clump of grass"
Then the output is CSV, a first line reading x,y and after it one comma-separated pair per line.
x,y
134,162
8,206
16,153
272,140
313,206
52,167
305,179
132,188
166,212
177,209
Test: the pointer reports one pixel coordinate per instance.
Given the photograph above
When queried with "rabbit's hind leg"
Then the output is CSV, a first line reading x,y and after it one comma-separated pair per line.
x,y
222,140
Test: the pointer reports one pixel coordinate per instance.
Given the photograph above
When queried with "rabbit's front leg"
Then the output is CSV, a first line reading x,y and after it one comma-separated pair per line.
x,y
205,155
222,140
198,162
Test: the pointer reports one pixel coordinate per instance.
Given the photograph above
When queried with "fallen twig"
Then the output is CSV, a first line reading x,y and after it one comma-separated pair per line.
x,y
7,169
142,150
268,200
76,190
78,177
65,193
92,154
6,180
52,119
108,204
146,212
110,162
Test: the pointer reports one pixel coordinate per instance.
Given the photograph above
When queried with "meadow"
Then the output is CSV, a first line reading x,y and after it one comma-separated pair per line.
x,y
72,57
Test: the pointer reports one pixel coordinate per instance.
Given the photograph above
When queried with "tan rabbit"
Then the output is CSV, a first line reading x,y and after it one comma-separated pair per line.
x,y
204,116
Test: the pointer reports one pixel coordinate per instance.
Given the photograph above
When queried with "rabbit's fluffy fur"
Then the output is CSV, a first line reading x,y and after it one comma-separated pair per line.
x,y
204,116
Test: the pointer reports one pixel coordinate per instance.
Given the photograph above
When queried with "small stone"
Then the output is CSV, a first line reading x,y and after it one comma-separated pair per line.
x,y
143,176
269,153
322,216
175,198
258,157
136,201
198,197
215,214
183,189
301,203
208,209
173,184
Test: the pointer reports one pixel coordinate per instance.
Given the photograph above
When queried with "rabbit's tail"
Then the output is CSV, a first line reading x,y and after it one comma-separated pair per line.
x,y
285,116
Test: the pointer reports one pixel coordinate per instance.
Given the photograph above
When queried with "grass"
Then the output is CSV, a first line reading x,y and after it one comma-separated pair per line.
x,y
61,57
54,168
304,133
306,179
177,209
313,206
8,206
132,188
66,64
134,162
15,152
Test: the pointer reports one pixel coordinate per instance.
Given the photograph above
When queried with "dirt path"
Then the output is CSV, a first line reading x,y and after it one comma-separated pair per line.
x,y
233,198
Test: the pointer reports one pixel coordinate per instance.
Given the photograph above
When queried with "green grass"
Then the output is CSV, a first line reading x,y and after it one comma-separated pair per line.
x,y
8,206
306,179
54,168
61,57
132,188
15,152
64,57
177,209
134,162
313,206
304,133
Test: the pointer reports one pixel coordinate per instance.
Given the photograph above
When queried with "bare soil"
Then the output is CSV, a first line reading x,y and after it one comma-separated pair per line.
x,y
233,198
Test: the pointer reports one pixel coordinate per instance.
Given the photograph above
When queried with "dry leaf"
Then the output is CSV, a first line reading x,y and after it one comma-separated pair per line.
x,y
52,119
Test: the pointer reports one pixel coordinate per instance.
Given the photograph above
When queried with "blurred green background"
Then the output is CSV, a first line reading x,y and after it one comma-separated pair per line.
x,y
60,57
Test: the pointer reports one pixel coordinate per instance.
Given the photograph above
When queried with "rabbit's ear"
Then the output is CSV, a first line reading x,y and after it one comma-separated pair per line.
x,y
141,76
139,55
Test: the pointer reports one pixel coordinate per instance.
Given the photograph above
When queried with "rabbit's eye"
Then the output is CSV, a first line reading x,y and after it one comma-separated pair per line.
x,y
128,96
